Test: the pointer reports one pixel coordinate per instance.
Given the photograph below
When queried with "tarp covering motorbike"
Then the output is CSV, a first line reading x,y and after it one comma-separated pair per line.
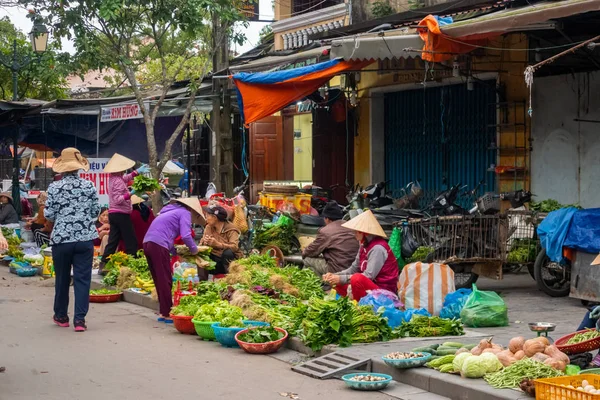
x,y
572,228
263,93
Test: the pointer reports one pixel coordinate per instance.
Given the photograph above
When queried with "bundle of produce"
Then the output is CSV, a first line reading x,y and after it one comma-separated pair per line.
x,y
126,279
34,259
486,346
327,322
522,251
420,254
261,335
442,363
445,349
513,375
280,235
189,305
104,291
549,205
422,326
142,184
201,259
584,336
471,366
220,311
368,327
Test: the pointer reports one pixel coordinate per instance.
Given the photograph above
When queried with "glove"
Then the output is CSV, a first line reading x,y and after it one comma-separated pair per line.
x,y
144,169
595,313
132,192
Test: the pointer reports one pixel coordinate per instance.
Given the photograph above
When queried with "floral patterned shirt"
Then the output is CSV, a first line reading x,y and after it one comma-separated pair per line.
x,y
73,207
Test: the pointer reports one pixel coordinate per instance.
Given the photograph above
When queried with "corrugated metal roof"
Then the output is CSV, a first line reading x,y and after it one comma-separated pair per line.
x,y
377,46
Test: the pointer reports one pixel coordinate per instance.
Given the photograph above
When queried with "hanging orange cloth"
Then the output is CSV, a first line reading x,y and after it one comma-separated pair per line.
x,y
264,93
440,47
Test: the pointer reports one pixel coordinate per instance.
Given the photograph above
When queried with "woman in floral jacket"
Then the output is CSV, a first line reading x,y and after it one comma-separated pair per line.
x,y
73,207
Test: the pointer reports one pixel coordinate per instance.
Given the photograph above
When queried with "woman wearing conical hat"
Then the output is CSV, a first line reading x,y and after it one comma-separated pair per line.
x,y
119,206
375,266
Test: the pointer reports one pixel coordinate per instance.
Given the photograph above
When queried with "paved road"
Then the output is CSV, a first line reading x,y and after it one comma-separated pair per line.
x,y
125,354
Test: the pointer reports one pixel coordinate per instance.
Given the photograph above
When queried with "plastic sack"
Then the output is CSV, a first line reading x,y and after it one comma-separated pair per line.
x,y
454,303
395,244
409,244
410,312
484,309
423,285
386,301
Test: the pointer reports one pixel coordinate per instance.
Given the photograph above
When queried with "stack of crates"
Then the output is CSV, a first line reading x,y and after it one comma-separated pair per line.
x,y
274,201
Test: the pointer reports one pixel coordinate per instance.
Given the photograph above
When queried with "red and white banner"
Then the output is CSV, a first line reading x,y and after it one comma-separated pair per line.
x,y
98,178
121,112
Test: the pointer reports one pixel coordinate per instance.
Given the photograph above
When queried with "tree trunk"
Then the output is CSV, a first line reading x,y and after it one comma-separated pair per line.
x,y
153,162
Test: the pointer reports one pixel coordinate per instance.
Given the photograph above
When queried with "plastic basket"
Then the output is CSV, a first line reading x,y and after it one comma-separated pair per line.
x,y
183,324
583,347
553,389
226,336
407,363
358,385
204,329
25,271
105,298
261,348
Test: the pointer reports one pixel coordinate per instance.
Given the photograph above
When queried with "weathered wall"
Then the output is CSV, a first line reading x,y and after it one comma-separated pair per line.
x,y
566,152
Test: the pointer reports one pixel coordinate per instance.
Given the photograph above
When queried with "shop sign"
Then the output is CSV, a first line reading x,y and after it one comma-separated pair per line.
x,y
98,177
121,112
250,9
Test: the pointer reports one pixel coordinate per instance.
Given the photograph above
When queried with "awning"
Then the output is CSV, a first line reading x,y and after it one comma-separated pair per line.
x,y
515,19
276,63
264,93
386,45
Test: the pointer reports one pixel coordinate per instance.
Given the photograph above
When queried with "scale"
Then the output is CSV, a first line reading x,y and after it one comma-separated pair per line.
x,y
542,329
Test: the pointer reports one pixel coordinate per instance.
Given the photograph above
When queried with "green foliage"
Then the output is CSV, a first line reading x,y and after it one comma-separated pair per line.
x,y
381,8
261,335
43,78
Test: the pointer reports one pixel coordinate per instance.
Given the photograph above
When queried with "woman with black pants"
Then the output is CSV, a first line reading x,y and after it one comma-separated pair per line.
x,y
73,207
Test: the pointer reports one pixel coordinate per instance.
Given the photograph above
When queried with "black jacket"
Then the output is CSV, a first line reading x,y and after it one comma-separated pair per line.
x,y
8,215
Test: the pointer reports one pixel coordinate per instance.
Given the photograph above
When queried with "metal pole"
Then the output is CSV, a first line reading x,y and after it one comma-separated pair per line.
x,y
98,136
16,193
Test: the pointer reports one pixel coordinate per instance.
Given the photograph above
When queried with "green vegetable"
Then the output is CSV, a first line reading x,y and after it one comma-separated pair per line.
x,y
473,367
446,368
445,352
104,291
470,346
261,335
280,235
571,370
589,334
491,362
511,376
220,311
141,184
420,254
522,251
422,326
549,205
424,349
453,344
327,322
189,305
441,361
459,360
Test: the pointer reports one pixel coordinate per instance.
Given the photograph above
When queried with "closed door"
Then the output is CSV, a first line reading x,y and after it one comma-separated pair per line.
x,y
266,153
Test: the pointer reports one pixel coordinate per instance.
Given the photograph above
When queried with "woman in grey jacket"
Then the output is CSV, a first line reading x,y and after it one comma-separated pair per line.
x,y
8,214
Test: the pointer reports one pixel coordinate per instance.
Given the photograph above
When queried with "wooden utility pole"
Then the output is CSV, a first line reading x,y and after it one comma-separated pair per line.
x,y
222,154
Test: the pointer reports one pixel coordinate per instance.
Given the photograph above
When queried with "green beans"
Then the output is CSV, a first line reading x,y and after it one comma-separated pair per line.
x,y
511,377
582,337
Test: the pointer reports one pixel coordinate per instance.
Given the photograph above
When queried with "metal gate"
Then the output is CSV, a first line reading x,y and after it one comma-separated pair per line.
x,y
442,135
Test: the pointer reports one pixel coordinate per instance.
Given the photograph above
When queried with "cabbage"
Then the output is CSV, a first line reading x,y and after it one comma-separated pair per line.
x,y
473,367
491,362
459,360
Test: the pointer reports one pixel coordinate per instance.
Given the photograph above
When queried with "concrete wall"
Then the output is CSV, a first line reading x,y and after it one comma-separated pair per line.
x,y
566,152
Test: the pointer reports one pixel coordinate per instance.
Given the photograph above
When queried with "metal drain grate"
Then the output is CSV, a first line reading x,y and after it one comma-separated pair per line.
x,y
331,364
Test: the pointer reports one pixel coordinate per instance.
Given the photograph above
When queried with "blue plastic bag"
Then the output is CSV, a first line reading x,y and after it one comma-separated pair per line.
x,y
408,314
386,302
553,232
454,303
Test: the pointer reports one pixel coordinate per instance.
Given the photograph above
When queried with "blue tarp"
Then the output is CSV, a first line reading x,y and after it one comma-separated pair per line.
x,y
584,233
268,78
572,228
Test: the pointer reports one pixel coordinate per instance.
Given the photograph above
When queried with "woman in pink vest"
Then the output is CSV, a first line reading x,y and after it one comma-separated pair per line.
x,y
375,266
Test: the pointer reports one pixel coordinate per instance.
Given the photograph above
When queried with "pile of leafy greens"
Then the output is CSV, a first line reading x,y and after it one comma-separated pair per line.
x,y
142,184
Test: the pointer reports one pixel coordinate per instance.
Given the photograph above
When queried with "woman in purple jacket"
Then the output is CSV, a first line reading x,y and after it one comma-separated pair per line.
x,y
119,207
174,220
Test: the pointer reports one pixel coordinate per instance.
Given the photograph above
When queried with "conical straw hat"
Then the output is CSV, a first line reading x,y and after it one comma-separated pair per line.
x,y
136,200
194,205
366,223
118,163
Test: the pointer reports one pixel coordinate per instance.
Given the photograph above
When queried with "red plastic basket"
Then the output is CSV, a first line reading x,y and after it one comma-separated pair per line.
x,y
583,347
184,324
105,298
261,348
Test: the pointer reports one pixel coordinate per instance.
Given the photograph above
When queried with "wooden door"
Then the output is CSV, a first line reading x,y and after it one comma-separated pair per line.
x,y
266,153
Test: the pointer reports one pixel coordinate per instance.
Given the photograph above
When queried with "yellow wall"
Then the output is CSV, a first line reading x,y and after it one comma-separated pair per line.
x,y
510,66
303,148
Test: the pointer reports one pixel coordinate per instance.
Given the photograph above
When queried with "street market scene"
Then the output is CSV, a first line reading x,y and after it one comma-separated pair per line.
x,y
370,199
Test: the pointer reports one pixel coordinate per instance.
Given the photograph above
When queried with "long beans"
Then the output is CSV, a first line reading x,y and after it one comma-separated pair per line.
x,y
511,377
582,337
